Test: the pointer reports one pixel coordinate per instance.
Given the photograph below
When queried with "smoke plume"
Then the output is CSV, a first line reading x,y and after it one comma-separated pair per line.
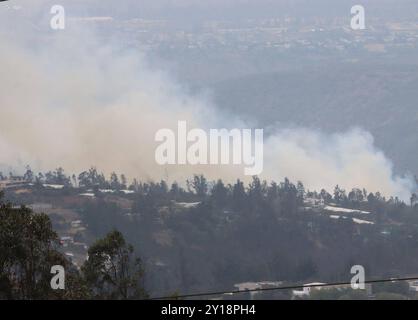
x,y
69,100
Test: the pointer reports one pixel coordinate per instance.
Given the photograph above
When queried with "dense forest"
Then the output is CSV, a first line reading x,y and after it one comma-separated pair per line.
x,y
206,235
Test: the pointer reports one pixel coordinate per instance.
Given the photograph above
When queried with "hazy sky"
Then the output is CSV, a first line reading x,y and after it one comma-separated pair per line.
x,y
221,9
69,100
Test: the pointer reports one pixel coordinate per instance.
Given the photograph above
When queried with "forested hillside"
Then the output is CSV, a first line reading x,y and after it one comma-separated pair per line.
x,y
209,235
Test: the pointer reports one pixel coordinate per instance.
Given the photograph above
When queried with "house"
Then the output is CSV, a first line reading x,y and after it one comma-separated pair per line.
x,y
53,186
40,207
253,286
13,184
76,224
307,288
187,205
413,286
65,241
313,202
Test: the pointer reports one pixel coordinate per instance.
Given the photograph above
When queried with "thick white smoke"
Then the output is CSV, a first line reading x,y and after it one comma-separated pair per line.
x,y
70,101
348,159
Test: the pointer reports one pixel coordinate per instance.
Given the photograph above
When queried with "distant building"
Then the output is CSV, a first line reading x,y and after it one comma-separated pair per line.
x,y
313,202
40,207
65,241
88,194
13,184
413,285
307,288
187,205
252,286
53,186
76,223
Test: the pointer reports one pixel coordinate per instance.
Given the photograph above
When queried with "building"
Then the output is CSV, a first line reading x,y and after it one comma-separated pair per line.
x,y
76,224
13,184
313,202
307,288
40,207
66,240
413,285
252,287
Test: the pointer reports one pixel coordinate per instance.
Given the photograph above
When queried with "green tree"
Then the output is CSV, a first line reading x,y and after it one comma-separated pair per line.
x,y
114,181
28,250
219,194
199,185
111,271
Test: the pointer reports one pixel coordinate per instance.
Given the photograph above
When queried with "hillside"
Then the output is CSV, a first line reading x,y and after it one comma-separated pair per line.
x,y
381,99
213,238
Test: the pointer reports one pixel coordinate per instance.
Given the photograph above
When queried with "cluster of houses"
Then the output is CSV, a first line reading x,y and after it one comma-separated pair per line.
x,y
16,183
306,290
335,212
303,292
76,251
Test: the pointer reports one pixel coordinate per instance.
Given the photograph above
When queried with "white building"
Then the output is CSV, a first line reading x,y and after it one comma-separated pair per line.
x,y
76,223
413,285
9,184
307,288
253,286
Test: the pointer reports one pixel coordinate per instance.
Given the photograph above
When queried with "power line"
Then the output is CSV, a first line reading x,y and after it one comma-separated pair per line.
x,y
195,295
